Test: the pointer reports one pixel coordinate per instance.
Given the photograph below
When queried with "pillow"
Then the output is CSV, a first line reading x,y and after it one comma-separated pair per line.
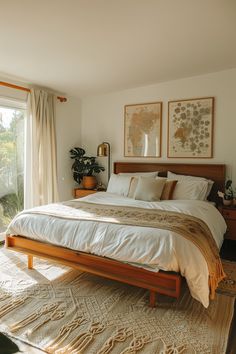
x,y
190,189
168,189
119,184
172,175
132,187
149,189
143,174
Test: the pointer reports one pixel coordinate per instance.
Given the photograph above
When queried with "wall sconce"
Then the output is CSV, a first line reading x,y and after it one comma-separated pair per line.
x,y
104,150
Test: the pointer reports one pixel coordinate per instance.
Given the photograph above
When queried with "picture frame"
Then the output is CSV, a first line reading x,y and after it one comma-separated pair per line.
x,y
142,129
190,128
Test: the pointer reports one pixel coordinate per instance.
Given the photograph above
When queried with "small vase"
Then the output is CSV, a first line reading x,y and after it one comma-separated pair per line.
x,y
89,182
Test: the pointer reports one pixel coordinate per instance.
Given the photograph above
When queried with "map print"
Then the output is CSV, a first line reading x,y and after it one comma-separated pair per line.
x,y
143,130
190,128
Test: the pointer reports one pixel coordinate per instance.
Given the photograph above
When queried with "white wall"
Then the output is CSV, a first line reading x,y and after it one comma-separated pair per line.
x,y
68,135
103,116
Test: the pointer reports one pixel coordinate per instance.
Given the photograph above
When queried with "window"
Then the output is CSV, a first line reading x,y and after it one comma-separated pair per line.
x,y
12,122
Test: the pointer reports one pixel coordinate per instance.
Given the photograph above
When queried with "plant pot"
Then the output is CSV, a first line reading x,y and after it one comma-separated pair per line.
x,y
89,182
227,202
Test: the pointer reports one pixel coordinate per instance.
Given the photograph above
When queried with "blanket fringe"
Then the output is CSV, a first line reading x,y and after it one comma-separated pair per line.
x,y
215,279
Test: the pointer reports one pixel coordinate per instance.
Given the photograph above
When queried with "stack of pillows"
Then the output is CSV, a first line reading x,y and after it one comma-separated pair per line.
x,y
148,186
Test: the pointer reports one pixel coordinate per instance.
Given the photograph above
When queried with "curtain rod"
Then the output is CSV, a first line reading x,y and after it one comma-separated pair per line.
x,y
2,83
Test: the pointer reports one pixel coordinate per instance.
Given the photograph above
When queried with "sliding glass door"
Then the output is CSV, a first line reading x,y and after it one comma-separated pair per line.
x,y
12,122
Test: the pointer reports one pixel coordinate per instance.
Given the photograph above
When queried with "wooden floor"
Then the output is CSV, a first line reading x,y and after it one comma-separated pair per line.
x,y
228,251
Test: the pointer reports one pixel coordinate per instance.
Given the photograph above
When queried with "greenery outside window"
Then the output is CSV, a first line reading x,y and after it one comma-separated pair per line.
x,y
12,131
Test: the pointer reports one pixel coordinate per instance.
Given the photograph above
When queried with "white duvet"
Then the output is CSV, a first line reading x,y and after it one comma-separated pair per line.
x,y
150,248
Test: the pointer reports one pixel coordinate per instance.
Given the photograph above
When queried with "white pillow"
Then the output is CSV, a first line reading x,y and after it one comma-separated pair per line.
x,y
143,174
119,184
149,189
190,189
177,177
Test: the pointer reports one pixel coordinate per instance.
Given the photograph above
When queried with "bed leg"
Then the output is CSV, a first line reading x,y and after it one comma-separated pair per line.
x,y
152,298
30,262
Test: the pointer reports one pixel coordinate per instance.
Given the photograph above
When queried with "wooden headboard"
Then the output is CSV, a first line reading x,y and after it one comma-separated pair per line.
x,y
215,172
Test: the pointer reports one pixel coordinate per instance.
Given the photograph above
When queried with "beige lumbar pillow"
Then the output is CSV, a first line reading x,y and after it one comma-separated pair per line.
x,y
133,186
149,189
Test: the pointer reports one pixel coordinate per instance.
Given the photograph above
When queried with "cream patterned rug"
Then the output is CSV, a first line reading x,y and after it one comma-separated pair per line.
x,y
61,310
228,285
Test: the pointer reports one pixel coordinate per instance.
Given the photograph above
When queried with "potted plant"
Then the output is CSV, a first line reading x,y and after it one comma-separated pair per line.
x,y
84,168
229,194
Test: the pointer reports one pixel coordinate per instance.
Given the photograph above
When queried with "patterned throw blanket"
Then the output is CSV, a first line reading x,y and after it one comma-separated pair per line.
x,y
187,226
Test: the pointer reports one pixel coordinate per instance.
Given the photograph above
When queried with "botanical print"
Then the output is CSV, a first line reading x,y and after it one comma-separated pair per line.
x,y
190,128
143,130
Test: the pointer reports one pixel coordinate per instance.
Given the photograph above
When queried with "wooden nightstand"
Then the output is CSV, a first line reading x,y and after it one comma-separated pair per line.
x,y
229,214
81,192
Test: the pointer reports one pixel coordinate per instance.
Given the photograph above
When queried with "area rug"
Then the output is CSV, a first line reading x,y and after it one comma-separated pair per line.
x,y
228,285
61,310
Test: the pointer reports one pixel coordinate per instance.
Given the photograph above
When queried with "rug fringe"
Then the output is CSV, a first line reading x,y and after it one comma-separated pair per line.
x,y
81,342
64,333
120,336
45,309
4,296
55,316
175,349
136,344
12,304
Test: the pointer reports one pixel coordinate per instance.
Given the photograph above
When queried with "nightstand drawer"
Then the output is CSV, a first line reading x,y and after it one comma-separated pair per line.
x,y
231,229
229,213
79,193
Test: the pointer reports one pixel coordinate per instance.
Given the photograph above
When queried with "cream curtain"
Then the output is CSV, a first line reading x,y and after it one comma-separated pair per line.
x,y
40,155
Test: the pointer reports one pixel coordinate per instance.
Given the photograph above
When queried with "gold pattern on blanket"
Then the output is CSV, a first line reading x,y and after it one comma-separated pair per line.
x,y
187,226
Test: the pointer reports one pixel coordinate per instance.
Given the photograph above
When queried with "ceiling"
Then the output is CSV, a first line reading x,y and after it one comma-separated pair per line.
x,y
85,47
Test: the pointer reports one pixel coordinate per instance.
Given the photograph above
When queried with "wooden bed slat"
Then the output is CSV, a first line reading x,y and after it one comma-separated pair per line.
x,y
168,283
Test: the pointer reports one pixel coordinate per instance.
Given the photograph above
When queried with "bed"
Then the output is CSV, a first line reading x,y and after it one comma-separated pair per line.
x,y
166,279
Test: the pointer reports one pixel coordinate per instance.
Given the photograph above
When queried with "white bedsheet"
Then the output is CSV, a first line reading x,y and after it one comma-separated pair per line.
x,y
150,248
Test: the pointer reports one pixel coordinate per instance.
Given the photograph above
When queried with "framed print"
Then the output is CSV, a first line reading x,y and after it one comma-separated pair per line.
x,y
143,130
190,128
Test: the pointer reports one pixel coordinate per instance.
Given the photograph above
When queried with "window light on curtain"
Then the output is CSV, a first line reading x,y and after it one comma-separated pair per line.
x,y
40,163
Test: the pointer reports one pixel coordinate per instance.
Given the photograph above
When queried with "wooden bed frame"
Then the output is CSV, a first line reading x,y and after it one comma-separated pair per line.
x,y
168,283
